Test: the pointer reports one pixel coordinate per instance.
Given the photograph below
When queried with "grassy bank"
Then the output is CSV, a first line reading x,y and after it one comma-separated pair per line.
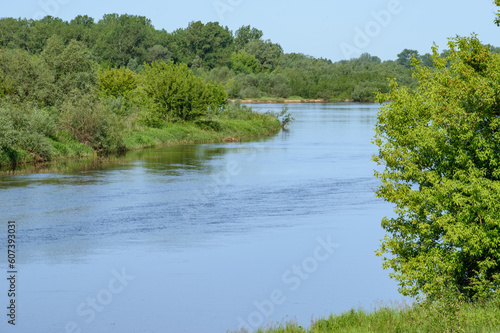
x,y
204,131
482,316
235,124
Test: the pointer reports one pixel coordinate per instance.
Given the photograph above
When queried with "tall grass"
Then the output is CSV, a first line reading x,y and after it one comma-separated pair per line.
x,y
481,316
232,123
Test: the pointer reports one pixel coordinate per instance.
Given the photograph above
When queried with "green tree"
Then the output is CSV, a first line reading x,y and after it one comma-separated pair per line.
x,y
245,35
172,91
73,67
123,37
13,33
25,78
242,62
439,147
117,82
90,121
158,52
497,18
82,29
266,52
206,45
406,56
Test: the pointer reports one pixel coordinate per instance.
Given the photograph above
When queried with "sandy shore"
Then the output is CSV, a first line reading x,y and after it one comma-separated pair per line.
x,y
287,101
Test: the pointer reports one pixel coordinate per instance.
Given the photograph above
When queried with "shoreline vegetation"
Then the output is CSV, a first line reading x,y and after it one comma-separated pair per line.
x,y
182,133
86,87
439,317
282,101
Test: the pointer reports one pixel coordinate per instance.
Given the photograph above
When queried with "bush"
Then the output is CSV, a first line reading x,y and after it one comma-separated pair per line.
x,y
28,129
251,92
208,125
91,122
117,82
173,92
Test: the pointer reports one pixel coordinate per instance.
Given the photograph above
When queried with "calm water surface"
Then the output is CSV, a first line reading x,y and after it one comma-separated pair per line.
x,y
203,238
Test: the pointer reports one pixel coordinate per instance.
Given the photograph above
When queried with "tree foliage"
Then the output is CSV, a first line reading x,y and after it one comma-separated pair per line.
x,y
172,91
439,146
117,81
242,62
245,35
239,60
203,45
123,37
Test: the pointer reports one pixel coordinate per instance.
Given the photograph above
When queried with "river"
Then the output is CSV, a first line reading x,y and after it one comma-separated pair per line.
x,y
202,238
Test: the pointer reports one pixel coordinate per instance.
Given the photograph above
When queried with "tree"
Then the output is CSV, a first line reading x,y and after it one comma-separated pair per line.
x,y
426,60
243,62
24,78
82,29
73,66
405,57
245,35
497,19
439,147
123,37
206,45
40,31
117,82
266,52
172,91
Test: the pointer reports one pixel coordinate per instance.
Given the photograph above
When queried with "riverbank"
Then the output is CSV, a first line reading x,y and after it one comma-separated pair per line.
x,y
209,131
178,133
443,316
271,100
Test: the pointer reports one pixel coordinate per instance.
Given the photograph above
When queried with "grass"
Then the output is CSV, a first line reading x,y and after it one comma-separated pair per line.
x,y
419,318
229,130
232,124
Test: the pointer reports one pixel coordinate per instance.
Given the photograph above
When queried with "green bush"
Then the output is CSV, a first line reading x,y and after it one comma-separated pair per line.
x,y
209,125
26,128
91,122
172,92
117,82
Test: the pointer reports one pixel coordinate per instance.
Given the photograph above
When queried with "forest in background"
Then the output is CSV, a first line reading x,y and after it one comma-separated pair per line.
x,y
247,65
86,87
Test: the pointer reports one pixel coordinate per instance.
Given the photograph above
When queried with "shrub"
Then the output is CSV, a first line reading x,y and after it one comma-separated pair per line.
x,y
91,122
26,128
117,82
172,92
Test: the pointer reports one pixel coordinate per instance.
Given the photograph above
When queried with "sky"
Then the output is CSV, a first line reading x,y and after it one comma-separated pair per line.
x,y
331,29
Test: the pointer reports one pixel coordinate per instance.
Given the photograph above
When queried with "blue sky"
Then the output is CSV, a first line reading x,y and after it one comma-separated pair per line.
x,y
332,29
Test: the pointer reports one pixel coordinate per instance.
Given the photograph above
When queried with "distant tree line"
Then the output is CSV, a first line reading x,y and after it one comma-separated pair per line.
x,y
69,86
246,64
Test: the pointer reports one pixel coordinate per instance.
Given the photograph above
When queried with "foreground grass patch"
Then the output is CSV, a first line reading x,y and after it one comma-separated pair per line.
x,y
461,317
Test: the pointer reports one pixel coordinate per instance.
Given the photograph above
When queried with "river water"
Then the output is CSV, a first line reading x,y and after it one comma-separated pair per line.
x,y
202,238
